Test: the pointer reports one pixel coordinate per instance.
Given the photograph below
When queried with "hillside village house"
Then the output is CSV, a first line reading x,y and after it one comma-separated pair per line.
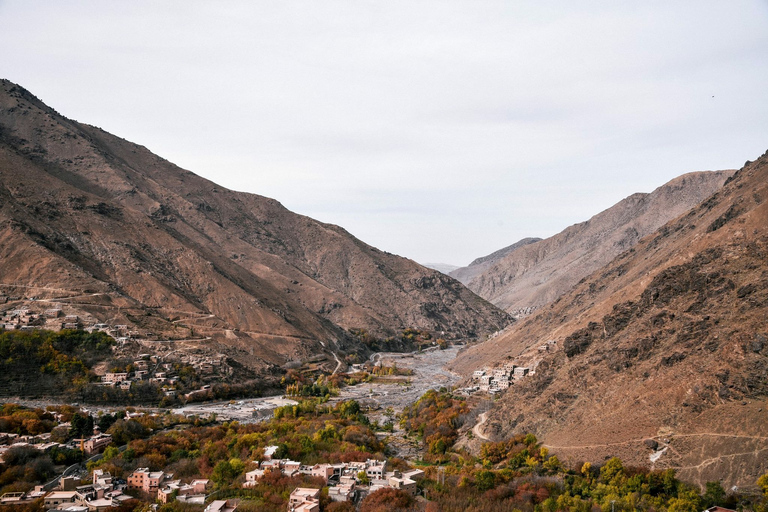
x,y
58,498
304,499
222,506
147,481
113,378
195,488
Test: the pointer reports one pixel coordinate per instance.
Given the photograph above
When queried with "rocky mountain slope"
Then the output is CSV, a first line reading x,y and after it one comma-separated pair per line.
x,y
538,273
660,357
91,219
480,265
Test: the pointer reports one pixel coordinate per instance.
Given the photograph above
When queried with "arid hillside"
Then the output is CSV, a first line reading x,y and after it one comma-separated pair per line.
x,y
480,265
660,357
526,276
139,241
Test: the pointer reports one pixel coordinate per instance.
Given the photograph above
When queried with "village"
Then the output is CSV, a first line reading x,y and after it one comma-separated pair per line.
x,y
498,379
159,367
348,481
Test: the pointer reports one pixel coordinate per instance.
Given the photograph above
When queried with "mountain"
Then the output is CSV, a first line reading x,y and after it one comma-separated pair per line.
x,y
480,265
445,268
112,231
659,357
531,276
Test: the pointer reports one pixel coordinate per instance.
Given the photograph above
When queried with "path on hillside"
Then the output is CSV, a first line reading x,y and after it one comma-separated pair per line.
x,y
476,429
640,440
338,363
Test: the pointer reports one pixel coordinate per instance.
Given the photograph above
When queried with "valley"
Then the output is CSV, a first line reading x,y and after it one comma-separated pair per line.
x,y
162,324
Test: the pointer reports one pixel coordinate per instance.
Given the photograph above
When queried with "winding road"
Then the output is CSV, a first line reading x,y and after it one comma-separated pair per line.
x,y
476,430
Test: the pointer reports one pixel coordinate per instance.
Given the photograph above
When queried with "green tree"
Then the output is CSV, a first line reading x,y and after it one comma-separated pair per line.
x,y
485,479
225,472
81,425
612,471
110,453
762,483
714,495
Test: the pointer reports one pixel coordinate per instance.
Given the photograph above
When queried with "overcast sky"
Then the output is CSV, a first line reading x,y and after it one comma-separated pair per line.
x,y
440,131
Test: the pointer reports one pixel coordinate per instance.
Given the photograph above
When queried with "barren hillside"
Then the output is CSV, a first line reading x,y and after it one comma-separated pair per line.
x,y
83,212
662,355
536,274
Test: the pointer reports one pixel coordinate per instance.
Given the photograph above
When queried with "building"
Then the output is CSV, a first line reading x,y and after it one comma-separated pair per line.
x,y
290,467
501,373
414,474
196,488
501,384
376,469
97,443
342,492
269,452
324,471
403,484
114,377
304,499
146,481
252,476
102,478
223,506
56,499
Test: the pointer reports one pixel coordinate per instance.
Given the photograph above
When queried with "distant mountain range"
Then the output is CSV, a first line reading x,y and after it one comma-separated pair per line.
x,y
445,268
140,241
660,356
535,272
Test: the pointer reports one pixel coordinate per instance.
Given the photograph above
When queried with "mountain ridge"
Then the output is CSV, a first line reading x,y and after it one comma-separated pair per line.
x,y
538,273
94,211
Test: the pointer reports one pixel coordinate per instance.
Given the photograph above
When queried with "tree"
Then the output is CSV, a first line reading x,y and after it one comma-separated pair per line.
x,y
762,483
225,471
683,505
110,453
387,500
123,431
714,495
612,471
81,425
552,464
485,480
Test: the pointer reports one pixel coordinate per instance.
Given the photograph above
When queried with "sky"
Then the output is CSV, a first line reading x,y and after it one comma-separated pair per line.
x,y
436,130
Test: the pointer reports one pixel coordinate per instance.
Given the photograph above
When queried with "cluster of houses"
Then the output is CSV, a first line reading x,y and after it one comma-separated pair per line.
x,y
151,368
54,318
42,442
523,312
498,379
145,368
162,486
343,479
103,493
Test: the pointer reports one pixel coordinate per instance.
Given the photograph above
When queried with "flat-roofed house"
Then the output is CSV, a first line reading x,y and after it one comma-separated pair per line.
x,y
304,499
